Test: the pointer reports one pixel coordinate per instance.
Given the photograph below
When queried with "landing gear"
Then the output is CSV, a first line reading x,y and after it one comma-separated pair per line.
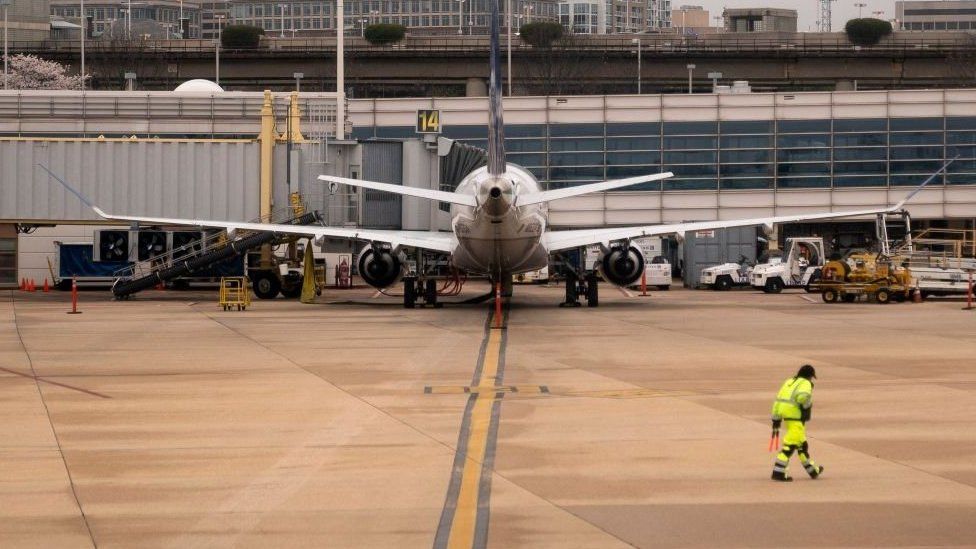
x,y
414,289
575,288
592,291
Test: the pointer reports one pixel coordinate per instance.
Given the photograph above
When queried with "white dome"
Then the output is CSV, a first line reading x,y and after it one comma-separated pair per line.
x,y
199,85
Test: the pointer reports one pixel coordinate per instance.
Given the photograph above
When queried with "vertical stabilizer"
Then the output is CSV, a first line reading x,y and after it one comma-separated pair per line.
x,y
496,129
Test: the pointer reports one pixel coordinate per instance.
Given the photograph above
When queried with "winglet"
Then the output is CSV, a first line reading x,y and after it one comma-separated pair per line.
x,y
75,192
928,180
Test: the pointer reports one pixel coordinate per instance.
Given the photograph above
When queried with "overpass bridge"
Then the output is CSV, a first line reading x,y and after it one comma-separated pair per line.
x,y
456,66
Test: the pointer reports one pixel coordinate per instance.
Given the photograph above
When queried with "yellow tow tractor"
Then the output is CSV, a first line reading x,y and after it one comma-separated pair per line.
x,y
873,277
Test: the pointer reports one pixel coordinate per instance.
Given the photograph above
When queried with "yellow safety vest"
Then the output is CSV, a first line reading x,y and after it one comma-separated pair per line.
x,y
795,395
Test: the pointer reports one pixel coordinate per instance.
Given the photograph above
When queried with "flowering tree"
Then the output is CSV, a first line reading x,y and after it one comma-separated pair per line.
x,y
28,72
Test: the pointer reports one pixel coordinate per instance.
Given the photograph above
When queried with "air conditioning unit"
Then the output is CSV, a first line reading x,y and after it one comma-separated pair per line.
x,y
152,243
186,242
115,245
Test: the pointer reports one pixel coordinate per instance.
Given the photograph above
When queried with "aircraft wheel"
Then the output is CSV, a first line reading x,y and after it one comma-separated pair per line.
x,y
850,298
592,291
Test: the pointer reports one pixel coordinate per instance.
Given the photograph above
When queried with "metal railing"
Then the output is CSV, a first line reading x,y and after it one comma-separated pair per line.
x,y
808,43
238,108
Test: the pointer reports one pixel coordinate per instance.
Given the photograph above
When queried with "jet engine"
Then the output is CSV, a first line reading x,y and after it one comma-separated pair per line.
x,y
379,267
621,265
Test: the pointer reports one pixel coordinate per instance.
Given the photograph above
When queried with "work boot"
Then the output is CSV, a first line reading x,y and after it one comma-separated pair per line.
x,y
781,477
814,473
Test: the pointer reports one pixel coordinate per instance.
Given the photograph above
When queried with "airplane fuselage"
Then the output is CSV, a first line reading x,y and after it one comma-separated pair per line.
x,y
499,237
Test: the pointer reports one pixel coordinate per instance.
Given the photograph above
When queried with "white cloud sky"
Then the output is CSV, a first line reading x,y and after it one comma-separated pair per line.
x,y
807,10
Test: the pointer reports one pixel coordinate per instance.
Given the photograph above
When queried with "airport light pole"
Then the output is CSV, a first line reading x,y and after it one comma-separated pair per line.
x,y
6,73
130,81
508,9
282,34
859,5
220,32
877,14
298,81
84,37
691,70
460,16
638,42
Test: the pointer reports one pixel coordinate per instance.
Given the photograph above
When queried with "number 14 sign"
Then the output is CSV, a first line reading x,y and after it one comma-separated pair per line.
x,y
428,121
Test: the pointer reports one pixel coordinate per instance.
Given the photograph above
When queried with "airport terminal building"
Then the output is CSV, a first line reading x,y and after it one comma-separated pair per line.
x,y
733,156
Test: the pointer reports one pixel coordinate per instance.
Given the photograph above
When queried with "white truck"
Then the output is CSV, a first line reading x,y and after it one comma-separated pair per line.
x,y
726,276
800,266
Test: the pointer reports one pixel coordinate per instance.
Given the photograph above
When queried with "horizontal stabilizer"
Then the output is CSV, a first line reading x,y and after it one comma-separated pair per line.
x,y
556,194
430,194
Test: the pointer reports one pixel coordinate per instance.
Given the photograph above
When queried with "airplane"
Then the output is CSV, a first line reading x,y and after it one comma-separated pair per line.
x,y
499,220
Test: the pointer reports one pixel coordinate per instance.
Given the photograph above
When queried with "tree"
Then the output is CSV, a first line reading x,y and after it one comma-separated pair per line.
x,y
29,72
241,37
384,33
867,31
541,34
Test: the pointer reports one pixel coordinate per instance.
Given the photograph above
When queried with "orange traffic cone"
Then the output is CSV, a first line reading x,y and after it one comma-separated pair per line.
x,y
917,295
47,287
30,285
23,284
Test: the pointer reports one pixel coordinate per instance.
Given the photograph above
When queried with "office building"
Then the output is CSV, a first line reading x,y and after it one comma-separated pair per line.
x,y
956,15
110,19
759,20
28,20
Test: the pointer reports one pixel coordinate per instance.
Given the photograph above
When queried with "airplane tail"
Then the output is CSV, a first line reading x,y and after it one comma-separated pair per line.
x,y
496,126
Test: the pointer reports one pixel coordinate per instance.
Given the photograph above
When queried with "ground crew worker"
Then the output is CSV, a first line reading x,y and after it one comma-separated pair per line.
x,y
793,405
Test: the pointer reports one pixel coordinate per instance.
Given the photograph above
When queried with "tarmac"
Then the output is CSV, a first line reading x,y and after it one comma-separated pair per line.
x,y
165,421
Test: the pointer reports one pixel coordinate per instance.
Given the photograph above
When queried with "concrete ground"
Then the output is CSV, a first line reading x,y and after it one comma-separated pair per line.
x,y
167,422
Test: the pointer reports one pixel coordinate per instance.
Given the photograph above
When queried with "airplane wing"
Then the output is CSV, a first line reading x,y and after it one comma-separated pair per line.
x,y
428,240
563,240
441,196
556,194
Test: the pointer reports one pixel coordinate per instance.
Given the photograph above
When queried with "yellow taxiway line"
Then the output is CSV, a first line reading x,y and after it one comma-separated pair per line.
x,y
463,526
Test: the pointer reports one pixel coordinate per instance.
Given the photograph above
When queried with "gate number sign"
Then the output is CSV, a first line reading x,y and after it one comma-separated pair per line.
x,y
428,121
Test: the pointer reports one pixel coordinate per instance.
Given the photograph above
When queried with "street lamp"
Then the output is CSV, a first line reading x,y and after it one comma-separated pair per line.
x,y
298,81
362,27
691,69
220,32
859,5
6,73
282,34
638,42
460,16
84,36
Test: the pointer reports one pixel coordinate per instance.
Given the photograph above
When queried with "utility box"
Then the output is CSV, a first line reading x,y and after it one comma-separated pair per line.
x,y
704,249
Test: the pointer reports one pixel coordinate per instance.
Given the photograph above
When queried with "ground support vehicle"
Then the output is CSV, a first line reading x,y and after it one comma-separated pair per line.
x,y
799,268
726,276
877,281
